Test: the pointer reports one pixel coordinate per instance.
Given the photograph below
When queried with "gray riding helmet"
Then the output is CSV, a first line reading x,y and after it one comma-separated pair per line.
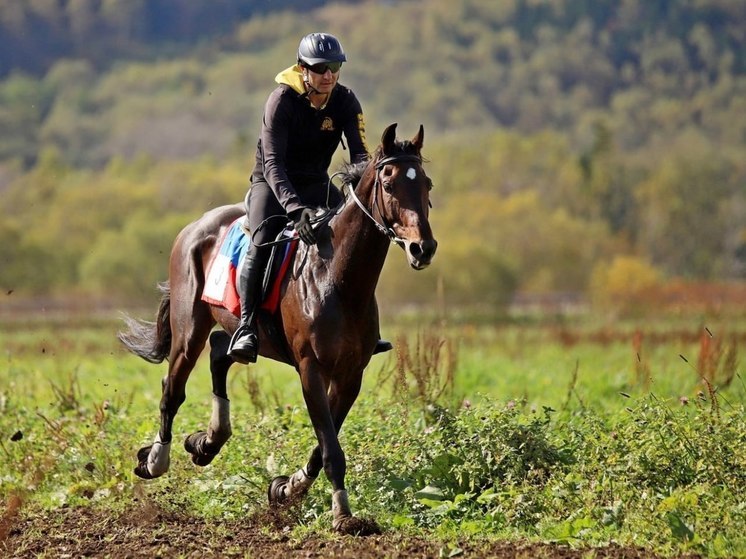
x,y
316,48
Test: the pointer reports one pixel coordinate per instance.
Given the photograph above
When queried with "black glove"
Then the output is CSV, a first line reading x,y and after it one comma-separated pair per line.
x,y
302,221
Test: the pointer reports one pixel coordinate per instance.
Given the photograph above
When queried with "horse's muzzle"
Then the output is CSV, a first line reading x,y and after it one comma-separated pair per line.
x,y
421,254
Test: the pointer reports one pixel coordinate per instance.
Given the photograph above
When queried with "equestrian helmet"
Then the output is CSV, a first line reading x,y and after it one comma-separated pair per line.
x,y
316,48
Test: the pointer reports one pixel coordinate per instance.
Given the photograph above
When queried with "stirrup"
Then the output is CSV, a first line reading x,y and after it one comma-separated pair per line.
x,y
382,346
244,345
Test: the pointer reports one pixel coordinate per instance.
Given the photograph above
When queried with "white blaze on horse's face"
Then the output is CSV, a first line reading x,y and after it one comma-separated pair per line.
x,y
411,226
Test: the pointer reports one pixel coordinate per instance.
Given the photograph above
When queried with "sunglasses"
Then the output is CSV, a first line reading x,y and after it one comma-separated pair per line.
x,y
322,67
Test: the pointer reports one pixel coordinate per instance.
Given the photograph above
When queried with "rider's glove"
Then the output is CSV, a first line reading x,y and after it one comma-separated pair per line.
x,y
302,221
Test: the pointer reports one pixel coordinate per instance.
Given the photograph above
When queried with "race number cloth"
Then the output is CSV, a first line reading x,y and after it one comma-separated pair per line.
x,y
222,273
220,281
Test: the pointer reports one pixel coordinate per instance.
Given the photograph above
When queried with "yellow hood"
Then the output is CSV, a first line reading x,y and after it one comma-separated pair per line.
x,y
293,77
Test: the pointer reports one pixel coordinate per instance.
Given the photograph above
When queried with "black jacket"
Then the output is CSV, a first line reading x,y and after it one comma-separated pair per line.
x,y
298,141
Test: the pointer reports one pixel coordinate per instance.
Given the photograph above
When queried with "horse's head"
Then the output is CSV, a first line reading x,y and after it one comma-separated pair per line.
x,y
402,189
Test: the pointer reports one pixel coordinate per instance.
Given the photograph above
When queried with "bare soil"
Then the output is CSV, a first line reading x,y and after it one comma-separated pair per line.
x,y
147,531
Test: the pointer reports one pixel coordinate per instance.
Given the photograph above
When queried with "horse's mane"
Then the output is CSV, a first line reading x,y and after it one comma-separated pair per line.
x,y
351,173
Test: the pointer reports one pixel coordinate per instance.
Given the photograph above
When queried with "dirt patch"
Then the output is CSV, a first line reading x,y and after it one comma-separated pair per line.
x,y
148,531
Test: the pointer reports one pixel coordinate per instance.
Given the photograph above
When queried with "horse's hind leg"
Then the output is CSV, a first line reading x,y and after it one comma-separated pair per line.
x,y
204,446
154,460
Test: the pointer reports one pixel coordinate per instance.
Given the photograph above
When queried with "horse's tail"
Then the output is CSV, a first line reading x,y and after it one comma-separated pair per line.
x,y
151,340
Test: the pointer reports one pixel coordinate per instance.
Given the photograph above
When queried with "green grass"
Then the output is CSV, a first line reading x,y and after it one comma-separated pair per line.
x,y
548,432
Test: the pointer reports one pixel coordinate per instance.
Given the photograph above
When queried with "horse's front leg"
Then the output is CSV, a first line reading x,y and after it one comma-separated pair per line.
x,y
205,445
283,488
328,407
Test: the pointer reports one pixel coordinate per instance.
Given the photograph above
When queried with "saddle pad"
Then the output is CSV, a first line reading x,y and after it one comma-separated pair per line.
x,y
221,277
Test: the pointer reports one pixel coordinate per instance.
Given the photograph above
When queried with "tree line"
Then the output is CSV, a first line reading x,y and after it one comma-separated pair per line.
x,y
571,143
34,35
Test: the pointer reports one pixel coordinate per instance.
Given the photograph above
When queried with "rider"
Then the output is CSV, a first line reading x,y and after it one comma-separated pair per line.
x,y
304,119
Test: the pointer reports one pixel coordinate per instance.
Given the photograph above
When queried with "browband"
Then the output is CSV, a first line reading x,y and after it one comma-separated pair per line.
x,y
398,159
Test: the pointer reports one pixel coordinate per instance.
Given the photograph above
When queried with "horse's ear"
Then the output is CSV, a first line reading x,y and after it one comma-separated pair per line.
x,y
388,140
419,138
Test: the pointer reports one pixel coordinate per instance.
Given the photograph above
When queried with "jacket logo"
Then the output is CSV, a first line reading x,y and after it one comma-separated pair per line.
x,y
327,125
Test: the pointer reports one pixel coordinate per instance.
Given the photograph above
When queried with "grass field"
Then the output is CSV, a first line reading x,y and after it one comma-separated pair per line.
x,y
576,432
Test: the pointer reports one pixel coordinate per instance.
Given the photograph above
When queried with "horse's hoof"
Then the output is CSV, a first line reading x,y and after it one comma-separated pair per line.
x,y
195,445
275,493
143,453
141,470
201,460
354,526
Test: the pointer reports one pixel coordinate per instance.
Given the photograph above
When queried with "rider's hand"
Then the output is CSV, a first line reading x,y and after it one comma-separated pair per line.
x,y
302,220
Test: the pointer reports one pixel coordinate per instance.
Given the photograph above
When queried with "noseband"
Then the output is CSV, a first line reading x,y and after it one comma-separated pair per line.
x,y
380,164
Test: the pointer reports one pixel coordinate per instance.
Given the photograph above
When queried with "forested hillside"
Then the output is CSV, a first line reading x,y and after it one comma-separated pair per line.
x,y
35,34
578,146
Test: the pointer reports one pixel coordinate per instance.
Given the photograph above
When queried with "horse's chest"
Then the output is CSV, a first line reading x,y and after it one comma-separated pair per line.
x,y
335,323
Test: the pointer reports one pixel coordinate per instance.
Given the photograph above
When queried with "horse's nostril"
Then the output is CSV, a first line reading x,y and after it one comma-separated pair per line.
x,y
428,248
423,251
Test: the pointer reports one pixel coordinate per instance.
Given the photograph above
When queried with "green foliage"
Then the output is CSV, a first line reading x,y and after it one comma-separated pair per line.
x,y
134,259
37,32
621,282
24,103
530,66
106,229
14,259
700,179
559,133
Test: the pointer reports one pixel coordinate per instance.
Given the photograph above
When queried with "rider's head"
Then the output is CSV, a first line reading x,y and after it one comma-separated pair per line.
x,y
319,52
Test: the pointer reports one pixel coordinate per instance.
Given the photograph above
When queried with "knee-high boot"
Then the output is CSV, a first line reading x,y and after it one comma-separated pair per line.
x,y
244,346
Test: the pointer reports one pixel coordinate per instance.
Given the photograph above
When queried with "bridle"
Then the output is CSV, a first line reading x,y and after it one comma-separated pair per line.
x,y
329,213
382,226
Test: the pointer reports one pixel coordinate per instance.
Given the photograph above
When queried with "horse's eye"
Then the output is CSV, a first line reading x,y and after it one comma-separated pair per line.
x,y
387,185
429,184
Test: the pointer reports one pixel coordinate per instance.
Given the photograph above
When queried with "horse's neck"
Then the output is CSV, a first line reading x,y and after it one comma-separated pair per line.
x,y
359,253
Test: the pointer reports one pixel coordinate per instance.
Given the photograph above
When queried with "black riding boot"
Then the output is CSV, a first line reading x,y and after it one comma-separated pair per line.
x,y
244,345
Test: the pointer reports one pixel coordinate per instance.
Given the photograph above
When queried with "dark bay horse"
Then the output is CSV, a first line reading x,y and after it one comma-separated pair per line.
x,y
326,326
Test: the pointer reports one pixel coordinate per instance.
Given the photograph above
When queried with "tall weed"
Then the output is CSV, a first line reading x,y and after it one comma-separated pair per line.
x,y
424,370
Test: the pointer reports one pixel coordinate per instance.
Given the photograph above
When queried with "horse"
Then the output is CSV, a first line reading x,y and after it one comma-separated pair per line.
x,y
326,325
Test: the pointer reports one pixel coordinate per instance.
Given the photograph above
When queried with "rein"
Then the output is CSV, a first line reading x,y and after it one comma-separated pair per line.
x,y
388,231
380,164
